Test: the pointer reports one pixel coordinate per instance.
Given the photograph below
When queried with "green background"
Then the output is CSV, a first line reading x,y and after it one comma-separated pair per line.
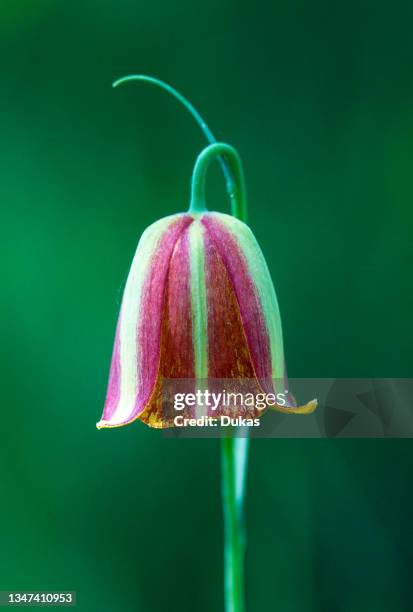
x,y
318,99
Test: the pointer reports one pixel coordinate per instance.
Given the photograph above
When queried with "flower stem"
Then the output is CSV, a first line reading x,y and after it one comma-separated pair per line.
x,y
190,108
234,448
234,452
236,191
234,463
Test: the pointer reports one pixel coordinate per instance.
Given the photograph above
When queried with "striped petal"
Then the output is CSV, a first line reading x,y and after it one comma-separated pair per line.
x,y
256,300
136,354
199,304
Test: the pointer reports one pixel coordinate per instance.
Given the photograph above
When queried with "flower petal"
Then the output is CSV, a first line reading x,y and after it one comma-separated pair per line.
x,y
251,281
176,344
245,264
136,355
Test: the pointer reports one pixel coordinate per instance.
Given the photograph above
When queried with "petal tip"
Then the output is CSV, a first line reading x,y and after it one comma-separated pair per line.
x,y
308,408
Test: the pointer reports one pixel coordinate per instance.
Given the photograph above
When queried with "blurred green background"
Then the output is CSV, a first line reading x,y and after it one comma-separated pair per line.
x,y
318,98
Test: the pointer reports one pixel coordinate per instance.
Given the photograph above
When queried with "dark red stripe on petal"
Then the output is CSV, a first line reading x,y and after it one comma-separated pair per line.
x,y
176,346
228,352
178,358
151,321
253,322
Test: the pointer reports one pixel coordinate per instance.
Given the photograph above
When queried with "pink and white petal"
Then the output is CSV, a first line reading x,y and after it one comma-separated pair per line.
x,y
136,354
177,359
258,306
231,248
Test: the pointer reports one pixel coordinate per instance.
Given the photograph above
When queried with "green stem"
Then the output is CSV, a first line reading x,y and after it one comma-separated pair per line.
x,y
234,449
237,194
234,453
234,464
191,109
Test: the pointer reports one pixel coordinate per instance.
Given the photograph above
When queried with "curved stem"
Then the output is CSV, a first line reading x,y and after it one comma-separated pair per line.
x,y
229,178
234,449
237,195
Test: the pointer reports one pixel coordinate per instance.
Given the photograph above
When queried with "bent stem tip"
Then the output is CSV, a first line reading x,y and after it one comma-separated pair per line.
x,y
237,194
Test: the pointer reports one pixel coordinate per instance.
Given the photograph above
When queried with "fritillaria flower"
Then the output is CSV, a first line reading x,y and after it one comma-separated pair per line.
x,y
198,304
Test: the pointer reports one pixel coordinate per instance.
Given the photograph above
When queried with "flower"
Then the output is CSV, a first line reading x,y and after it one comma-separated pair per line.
x,y
199,304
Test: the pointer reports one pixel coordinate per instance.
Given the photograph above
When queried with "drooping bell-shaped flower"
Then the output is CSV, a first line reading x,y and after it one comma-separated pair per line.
x,y
199,304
